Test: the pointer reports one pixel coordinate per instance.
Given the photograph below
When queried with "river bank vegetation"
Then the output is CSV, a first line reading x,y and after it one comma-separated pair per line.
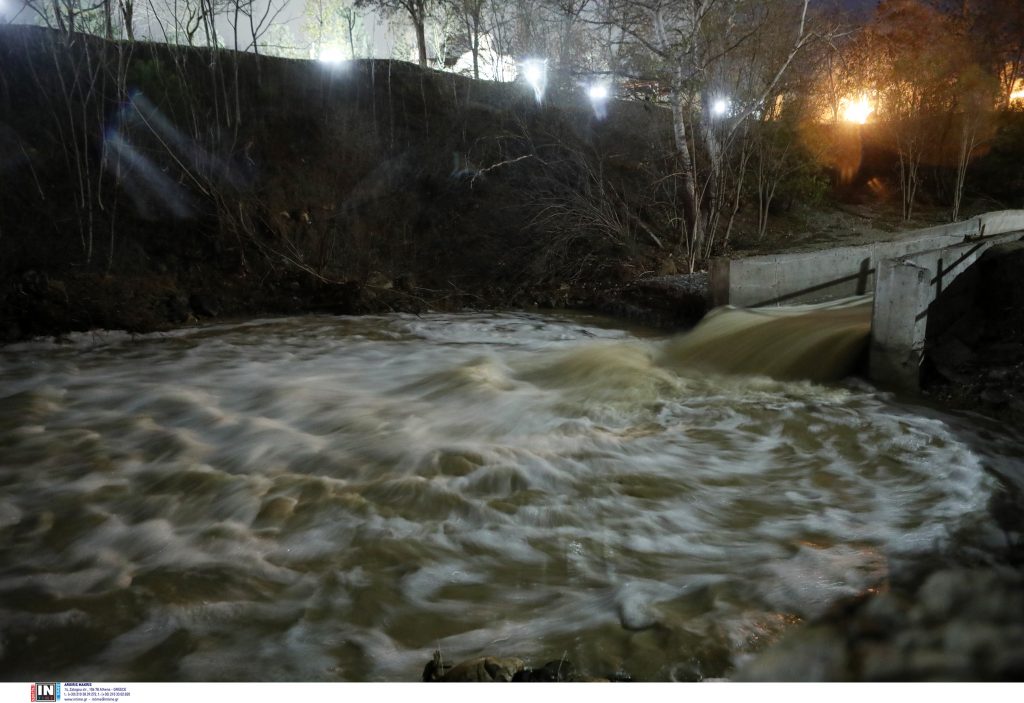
x,y
147,183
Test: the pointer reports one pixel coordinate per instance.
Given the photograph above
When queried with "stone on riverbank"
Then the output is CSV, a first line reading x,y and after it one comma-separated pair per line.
x,y
957,625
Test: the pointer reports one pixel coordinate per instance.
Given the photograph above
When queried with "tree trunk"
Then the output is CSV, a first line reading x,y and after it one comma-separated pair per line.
x,y
350,23
419,20
128,16
691,228
968,137
713,148
474,34
108,20
58,13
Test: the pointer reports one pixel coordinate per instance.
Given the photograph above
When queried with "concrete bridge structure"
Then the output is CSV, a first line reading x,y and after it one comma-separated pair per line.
x,y
905,274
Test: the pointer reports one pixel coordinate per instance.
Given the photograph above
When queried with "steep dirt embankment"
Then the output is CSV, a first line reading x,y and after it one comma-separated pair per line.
x,y
146,184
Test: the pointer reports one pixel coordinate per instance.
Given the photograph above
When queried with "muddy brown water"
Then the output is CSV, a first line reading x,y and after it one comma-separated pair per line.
x,y
332,499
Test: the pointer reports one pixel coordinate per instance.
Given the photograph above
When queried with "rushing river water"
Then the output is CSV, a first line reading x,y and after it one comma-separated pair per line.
x,y
333,499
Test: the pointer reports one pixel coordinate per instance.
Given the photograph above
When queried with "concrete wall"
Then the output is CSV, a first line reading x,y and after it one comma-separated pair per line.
x,y
906,275
835,273
906,287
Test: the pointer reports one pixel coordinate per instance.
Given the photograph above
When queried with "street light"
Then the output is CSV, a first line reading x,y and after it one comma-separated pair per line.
x,y
535,72
720,107
330,55
858,111
599,94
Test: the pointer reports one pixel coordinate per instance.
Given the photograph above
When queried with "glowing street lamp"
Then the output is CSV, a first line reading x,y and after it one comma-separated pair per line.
x,y
720,107
535,72
857,111
329,55
599,94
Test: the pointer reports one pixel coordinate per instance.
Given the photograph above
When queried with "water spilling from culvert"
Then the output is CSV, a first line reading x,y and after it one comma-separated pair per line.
x,y
333,499
821,342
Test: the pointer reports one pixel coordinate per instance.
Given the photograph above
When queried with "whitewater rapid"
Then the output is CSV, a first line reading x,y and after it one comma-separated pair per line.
x,y
327,498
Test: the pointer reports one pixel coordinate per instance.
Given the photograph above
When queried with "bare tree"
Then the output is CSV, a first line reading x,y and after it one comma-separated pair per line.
x,y
567,16
70,16
127,10
472,16
703,50
178,21
529,34
976,92
910,59
416,10
995,29
441,28
330,22
251,20
785,161
501,19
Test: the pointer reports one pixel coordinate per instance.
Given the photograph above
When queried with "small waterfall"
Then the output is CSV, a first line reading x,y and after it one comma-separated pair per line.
x,y
823,342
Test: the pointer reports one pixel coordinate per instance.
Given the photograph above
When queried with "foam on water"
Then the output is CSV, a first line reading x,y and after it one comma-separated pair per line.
x,y
332,499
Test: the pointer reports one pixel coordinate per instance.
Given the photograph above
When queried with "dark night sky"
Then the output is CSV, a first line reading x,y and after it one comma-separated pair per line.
x,y
860,7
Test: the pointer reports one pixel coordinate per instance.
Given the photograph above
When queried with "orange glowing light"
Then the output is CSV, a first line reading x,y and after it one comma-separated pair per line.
x,y
857,111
